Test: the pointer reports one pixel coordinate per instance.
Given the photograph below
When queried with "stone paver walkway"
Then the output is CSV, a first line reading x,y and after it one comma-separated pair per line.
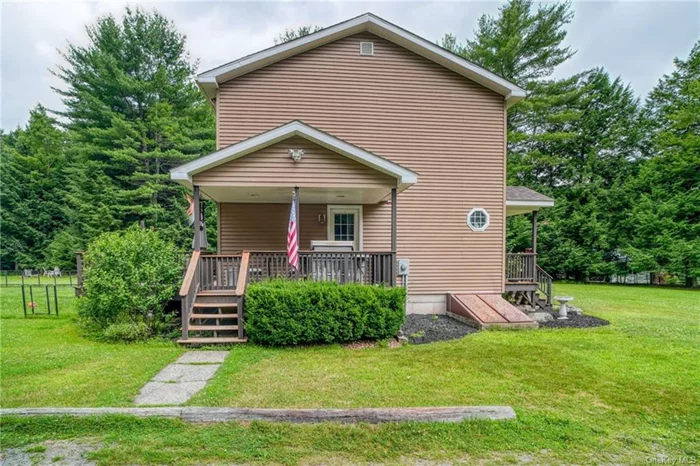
x,y
179,381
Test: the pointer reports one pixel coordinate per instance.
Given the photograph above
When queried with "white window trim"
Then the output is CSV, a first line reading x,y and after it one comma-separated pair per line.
x,y
329,221
371,45
488,219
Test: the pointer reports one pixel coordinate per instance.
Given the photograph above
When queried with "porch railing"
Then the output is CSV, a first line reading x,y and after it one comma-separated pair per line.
x,y
369,268
521,267
544,284
219,272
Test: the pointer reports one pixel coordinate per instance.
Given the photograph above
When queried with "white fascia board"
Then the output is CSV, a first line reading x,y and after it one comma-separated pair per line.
x,y
521,203
367,22
184,172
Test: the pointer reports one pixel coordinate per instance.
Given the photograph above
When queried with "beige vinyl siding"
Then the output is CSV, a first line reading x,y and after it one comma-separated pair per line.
x,y
263,227
273,167
414,112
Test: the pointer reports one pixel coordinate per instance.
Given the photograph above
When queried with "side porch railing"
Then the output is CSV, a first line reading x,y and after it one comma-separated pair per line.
x,y
522,269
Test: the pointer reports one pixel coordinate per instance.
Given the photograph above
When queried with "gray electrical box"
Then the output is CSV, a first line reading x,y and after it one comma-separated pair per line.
x,y
402,268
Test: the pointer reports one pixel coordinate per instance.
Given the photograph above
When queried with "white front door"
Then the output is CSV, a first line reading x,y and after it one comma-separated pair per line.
x,y
345,224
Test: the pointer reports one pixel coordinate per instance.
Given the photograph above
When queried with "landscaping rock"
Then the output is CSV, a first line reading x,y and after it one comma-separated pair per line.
x,y
422,328
541,316
574,311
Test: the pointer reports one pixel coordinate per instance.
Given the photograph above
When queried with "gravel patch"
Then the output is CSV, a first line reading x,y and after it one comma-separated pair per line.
x,y
420,328
574,321
51,452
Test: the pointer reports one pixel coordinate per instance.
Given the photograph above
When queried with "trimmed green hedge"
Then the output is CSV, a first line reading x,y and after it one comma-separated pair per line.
x,y
284,312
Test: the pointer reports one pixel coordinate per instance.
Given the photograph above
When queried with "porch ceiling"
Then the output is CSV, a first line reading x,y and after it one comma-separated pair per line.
x,y
280,195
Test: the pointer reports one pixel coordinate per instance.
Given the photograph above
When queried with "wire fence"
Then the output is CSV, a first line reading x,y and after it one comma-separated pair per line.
x,y
10,278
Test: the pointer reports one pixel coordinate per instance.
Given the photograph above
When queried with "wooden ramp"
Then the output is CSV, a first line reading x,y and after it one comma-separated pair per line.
x,y
488,310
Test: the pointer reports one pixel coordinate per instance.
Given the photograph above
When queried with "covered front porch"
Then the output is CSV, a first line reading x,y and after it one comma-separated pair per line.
x,y
339,200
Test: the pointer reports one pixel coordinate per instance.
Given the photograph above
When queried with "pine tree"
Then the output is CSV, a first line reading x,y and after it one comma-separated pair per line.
x,y
581,146
519,44
292,34
133,113
666,215
33,164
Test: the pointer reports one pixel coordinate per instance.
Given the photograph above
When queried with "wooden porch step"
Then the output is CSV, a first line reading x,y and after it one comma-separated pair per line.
x,y
213,316
213,328
211,340
217,293
216,305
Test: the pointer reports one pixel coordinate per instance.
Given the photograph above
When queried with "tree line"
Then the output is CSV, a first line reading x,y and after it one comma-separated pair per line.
x,y
625,173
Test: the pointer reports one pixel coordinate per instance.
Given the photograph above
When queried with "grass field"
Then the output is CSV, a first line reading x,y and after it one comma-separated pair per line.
x,y
46,362
624,394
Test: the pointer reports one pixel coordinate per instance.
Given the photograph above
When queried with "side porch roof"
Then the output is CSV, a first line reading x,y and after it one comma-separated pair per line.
x,y
522,200
184,173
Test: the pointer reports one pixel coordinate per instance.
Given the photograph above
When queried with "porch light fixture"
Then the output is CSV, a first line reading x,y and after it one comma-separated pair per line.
x,y
478,219
296,154
322,219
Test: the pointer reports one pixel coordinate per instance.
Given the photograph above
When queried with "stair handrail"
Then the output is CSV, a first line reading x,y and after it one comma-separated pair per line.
x,y
544,283
188,291
243,273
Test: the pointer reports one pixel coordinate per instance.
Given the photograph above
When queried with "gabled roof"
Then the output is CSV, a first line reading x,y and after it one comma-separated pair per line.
x,y
210,80
184,173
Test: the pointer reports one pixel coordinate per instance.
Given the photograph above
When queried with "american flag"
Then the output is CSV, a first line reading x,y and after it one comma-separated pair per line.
x,y
292,240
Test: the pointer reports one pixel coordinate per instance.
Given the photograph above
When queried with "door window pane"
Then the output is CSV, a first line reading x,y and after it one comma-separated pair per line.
x,y
344,227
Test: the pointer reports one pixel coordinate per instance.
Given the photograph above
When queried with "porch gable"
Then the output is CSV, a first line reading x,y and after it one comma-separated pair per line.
x,y
273,166
401,177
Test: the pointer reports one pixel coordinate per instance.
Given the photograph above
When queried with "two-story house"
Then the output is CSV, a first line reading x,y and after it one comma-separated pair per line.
x,y
396,151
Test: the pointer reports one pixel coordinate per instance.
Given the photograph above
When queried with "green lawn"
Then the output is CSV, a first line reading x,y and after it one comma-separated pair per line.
x,y
627,393
46,362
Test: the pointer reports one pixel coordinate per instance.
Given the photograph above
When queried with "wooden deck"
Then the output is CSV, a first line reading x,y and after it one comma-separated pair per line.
x,y
213,288
487,311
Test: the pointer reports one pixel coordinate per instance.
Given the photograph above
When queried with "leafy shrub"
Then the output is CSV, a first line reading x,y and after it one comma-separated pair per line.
x,y
128,278
282,312
129,332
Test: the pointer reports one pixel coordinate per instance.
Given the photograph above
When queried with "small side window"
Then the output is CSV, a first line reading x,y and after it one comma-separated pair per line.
x,y
478,219
366,48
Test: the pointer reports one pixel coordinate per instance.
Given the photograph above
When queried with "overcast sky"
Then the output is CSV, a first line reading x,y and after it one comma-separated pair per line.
x,y
635,40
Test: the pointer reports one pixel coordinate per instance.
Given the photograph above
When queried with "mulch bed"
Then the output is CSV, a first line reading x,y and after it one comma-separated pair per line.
x,y
421,329
575,321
